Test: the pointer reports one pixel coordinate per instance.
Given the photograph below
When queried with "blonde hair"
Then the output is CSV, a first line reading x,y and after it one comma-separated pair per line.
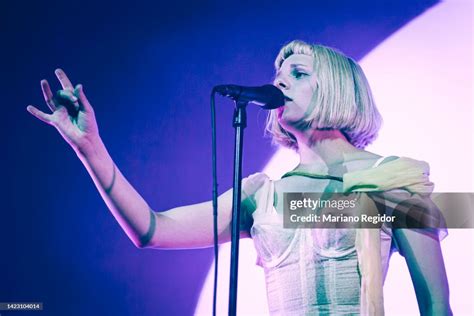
x,y
343,99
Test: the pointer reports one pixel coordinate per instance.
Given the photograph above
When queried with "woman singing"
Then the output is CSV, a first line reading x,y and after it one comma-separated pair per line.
x,y
329,117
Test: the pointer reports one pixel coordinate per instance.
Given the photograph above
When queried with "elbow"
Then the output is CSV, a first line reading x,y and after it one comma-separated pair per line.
x,y
144,243
138,244
146,240
141,245
135,239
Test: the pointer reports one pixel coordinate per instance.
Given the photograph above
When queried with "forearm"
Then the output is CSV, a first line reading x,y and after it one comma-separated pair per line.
x,y
434,299
127,206
425,262
435,309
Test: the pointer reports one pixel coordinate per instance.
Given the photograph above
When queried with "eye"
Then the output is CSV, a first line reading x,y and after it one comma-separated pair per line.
x,y
298,74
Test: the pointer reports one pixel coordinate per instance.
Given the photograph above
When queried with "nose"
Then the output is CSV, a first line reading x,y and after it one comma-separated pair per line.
x,y
282,84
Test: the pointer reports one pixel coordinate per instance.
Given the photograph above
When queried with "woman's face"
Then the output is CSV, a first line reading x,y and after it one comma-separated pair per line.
x,y
297,80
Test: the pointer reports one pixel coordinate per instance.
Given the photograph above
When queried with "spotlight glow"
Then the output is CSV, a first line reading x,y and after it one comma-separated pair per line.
x,y
421,78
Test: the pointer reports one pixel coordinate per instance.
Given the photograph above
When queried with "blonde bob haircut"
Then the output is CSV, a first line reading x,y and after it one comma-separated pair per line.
x,y
342,98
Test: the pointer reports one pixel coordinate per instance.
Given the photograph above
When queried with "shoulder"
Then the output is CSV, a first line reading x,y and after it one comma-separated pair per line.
x,y
362,160
369,160
256,178
390,173
254,183
404,164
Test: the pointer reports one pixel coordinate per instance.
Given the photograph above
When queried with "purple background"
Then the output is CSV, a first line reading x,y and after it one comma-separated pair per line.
x,y
147,69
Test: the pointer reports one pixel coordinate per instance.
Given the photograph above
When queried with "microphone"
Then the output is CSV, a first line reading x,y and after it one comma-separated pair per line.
x,y
268,96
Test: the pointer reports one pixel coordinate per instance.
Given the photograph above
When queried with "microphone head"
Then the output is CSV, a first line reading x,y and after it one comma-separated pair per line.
x,y
274,97
268,96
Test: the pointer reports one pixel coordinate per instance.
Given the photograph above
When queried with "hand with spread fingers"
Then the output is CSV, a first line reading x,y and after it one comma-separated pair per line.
x,y
72,114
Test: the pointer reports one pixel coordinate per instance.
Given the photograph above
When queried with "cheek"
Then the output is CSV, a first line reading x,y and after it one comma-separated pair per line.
x,y
308,88
304,85
311,87
305,95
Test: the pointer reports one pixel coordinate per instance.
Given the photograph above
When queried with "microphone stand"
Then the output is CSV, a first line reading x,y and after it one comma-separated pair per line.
x,y
239,123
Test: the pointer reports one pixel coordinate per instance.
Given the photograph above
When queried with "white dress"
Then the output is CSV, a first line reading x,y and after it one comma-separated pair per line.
x,y
308,271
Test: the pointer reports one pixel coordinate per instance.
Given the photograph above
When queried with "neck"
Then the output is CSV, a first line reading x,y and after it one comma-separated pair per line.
x,y
321,149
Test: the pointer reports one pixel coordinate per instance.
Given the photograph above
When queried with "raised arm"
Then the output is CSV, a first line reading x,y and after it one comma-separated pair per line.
x,y
184,227
425,262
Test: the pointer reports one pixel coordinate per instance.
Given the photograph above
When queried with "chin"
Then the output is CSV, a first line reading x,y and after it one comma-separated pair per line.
x,y
289,118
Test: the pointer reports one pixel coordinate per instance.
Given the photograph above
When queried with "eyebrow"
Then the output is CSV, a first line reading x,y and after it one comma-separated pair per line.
x,y
293,66
297,65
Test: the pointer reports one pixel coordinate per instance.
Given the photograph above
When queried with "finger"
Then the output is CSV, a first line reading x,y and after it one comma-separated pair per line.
x,y
48,95
69,97
63,79
47,118
79,92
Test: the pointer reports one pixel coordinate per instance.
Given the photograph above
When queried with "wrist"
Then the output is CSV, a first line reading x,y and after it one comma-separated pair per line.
x,y
90,148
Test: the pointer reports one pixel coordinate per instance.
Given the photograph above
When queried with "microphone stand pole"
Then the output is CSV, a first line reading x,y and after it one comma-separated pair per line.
x,y
239,123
